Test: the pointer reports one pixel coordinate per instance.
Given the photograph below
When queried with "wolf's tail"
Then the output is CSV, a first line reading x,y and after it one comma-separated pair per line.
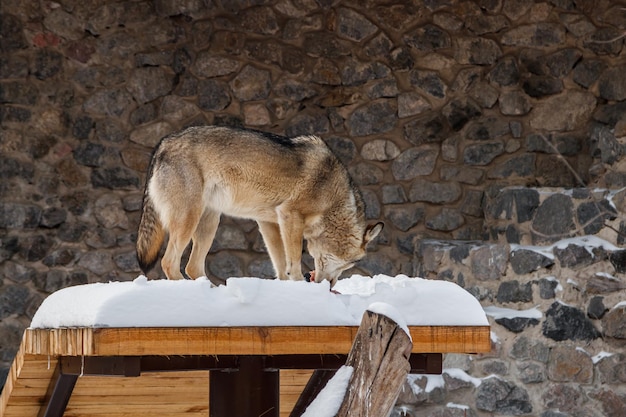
x,y
150,235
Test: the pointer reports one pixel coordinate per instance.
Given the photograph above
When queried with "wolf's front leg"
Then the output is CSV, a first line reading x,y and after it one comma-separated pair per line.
x,y
274,244
291,226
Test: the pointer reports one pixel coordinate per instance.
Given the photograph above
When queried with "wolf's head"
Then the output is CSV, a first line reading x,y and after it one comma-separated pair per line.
x,y
335,252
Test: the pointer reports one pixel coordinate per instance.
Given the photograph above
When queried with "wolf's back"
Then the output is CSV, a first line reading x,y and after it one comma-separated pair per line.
x,y
150,235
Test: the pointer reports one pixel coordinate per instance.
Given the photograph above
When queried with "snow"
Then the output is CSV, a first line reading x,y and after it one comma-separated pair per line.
x,y
597,358
328,401
508,313
257,302
588,242
438,381
391,312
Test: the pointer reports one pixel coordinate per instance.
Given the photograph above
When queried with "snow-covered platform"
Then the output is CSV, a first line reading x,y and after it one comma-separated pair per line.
x,y
149,329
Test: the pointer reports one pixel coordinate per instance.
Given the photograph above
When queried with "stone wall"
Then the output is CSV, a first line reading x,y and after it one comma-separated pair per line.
x,y
447,114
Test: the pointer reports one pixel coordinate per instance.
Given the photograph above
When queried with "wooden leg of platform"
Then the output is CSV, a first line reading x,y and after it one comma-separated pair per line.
x,y
249,391
61,394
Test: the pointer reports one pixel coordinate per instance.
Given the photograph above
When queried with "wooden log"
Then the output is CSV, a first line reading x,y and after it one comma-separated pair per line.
x,y
380,358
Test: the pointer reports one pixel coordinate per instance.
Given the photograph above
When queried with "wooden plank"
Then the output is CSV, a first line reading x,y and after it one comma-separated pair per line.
x,y
240,340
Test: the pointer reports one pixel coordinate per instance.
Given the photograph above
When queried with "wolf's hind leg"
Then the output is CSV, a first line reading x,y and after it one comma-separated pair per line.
x,y
202,240
181,228
274,244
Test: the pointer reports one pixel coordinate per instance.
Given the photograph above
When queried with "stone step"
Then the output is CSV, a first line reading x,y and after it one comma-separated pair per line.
x,y
533,216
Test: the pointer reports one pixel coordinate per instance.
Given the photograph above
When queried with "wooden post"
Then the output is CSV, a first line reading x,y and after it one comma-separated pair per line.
x,y
380,358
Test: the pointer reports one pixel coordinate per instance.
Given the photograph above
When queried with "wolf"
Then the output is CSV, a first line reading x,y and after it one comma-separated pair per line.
x,y
294,188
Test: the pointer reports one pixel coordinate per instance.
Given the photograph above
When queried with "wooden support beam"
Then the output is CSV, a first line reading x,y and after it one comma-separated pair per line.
x,y
316,384
61,393
380,358
249,391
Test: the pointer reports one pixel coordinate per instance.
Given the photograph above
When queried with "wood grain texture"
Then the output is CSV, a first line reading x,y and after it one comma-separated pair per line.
x,y
239,340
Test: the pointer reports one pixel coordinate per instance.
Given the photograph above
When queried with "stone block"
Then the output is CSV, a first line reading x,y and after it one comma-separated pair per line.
x,y
614,322
567,323
503,397
489,262
569,364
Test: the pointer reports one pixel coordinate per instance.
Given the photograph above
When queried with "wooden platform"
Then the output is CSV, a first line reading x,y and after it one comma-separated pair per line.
x,y
166,371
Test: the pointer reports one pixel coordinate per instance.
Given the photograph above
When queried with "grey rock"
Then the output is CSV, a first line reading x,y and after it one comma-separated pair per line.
x,y
47,63
563,144
447,220
404,218
568,364
115,178
433,192
587,72
567,323
13,300
489,262
538,86
411,104
344,148
308,124
229,237
473,203
477,51
516,324
503,397
355,73
612,85
575,106
459,112
207,65
82,126
89,154
596,308
393,194
213,95
547,288
604,41
525,348
110,130
261,20
535,35
326,45
592,215
505,73
372,205
53,217
380,150
60,257
514,103
179,7
374,118
553,219
481,24
515,292
108,102
18,216
72,232
19,92
366,174
149,83
531,372
560,63
415,162
428,38
483,153
429,82
618,260
614,323
12,66
353,25
487,128
564,397
573,256
98,262
251,84
430,128
522,166
11,33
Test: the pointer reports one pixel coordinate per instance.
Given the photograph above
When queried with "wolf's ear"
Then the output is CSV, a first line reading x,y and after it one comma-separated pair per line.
x,y
372,231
